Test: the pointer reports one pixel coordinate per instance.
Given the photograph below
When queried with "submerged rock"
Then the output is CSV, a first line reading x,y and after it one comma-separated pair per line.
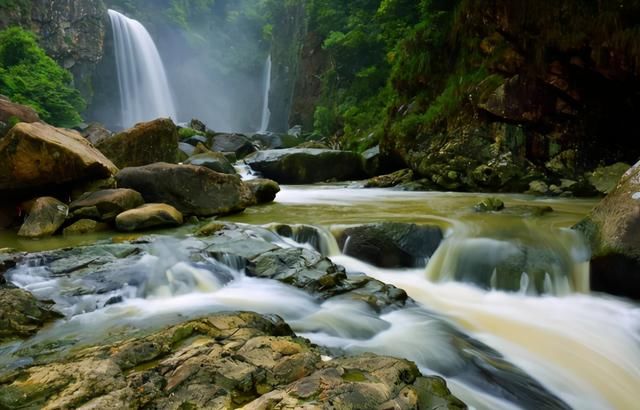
x,y
306,166
46,216
148,216
215,161
35,156
263,190
612,230
391,245
190,189
489,205
218,362
105,205
146,143
21,314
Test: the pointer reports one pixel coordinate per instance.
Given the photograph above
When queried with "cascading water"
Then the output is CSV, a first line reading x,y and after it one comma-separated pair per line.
x,y
144,88
266,112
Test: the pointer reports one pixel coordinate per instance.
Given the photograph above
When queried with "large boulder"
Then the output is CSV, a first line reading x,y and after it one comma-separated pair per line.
x,y
46,216
39,155
96,133
148,216
613,230
146,143
190,189
215,161
306,166
391,245
105,205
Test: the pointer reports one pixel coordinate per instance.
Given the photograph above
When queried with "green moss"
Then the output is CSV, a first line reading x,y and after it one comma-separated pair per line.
x,y
28,76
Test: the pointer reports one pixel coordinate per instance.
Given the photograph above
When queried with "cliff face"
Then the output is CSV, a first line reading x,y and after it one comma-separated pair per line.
x,y
71,31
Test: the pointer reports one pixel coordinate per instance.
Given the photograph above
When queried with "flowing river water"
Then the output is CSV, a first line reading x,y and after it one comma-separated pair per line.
x,y
583,348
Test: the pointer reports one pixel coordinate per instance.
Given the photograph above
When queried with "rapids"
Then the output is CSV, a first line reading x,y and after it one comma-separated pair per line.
x,y
574,349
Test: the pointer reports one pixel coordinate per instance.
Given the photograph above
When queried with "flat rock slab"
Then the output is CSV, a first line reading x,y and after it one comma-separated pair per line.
x,y
39,155
106,204
46,216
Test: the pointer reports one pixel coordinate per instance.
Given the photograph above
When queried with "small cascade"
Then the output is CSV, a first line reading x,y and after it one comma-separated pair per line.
x,y
144,87
266,112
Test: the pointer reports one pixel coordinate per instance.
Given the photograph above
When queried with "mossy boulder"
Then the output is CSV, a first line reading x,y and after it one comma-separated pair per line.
x,y
306,166
146,143
215,161
263,190
149,216
612,230
605,179
402,176
106,204
46,216
192,190
237,143
85,226
21,314
35,156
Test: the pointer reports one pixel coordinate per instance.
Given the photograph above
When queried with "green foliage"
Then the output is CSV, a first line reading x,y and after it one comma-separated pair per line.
x,y
186,133
28,76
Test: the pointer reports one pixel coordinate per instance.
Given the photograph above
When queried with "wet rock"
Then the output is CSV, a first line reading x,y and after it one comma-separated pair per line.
x,y
538,188
527,210
306,166
105,205
190,189
371,161
21,315
263,190
96,133
146,143
46,216
197,125
489,205
276,141
39,155
237,143
605,179
221,361
215,161
612,230
402,176
391,245
85,226
148,216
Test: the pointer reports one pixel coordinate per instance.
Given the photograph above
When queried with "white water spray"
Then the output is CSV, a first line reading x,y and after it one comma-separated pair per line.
x,y
266,112
144,88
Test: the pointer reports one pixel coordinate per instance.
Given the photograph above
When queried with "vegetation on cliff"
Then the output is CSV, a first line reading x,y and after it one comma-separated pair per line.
x,y
28,76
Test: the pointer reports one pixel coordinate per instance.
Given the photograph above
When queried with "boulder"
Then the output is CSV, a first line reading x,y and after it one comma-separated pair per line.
x,y
371,161
237,143
105,205
190,189
12,113
197,125
215,161
39,155
612,229
21,315
148,216
276,141
146,143
306,166
489,205
605,179
96,133
391,245
46,216
85,226
263,190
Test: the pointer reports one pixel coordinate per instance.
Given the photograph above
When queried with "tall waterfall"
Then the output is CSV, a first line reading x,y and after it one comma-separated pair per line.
x,y
266,112
144,88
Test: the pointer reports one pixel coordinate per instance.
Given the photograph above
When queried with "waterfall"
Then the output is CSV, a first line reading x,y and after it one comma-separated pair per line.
x,y
266,113
144,88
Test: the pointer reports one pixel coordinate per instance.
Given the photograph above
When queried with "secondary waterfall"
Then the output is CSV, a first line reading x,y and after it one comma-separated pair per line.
x,y
266,112
144,87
